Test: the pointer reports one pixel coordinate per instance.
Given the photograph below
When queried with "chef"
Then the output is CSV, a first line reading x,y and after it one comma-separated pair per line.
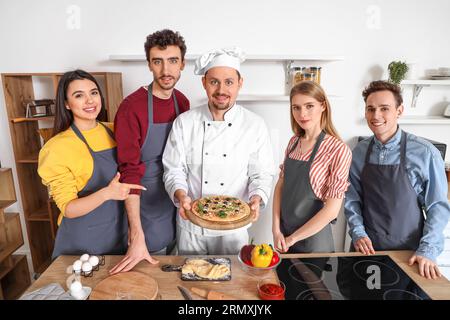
x,y
219,148
395,179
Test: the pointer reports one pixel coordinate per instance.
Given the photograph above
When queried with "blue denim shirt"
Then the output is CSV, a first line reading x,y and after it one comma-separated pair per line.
x,y
426,172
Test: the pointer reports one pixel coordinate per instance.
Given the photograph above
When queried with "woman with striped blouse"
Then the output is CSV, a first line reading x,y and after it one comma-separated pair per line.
x,y
314,176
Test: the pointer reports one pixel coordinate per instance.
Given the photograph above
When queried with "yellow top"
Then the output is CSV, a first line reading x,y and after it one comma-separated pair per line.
x,y
65,164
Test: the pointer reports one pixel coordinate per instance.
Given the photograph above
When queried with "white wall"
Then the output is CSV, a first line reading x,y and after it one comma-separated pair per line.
x,y
38,36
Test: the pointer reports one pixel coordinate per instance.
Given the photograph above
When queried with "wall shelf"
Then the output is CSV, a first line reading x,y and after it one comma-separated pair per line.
x,y
423,120
419,84
14,273
271,98
420,120
250,57
426,82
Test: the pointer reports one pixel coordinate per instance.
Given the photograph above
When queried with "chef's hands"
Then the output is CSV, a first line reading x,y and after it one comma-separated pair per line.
x,y
137,251
185,202
427,267
119,191
364,245
254,204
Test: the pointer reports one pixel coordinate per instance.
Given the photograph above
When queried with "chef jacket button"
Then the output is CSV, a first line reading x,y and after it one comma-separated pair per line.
x,y
229,124
206,153
209,124
206,182
224,154
221,183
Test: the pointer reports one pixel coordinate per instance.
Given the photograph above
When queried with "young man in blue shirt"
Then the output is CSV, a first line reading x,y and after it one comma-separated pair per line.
x,y
397,199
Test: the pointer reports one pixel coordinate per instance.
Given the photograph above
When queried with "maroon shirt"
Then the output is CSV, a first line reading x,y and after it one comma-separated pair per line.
x,y
130,128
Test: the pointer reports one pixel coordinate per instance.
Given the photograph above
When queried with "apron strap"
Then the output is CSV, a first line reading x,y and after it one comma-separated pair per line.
x,y
80,135
111,134
316,147
293,146
403,150
150,104
369,150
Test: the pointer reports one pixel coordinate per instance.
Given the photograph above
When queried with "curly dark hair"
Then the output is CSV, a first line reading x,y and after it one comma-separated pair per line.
x,y
162,39
381,85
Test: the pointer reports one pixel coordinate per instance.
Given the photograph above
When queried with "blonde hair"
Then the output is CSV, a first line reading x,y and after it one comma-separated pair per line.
x,y
314,90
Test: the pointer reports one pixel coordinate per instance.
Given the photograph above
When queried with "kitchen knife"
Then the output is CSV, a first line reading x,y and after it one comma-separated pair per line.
x,y
185,292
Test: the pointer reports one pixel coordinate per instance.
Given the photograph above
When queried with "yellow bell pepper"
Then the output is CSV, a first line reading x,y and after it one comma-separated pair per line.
x,y
262,255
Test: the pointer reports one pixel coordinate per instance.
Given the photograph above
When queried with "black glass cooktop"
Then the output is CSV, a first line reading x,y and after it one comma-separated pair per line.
x,y
347,278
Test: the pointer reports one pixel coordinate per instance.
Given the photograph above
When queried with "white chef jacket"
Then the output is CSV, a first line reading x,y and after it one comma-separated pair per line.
x,y
205,157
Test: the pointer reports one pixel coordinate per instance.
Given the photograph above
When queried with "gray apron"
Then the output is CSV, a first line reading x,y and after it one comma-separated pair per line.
x,y
158,212
104,229
299,204
392,215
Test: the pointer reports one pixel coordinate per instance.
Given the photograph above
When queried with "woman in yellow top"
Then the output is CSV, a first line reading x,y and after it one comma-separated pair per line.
x,y
78,165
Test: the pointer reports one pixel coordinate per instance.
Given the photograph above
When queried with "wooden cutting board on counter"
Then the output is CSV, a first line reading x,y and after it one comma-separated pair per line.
x,y
218,225
128,285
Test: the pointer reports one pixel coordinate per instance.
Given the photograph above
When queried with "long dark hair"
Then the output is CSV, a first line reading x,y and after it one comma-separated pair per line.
x,y
63,116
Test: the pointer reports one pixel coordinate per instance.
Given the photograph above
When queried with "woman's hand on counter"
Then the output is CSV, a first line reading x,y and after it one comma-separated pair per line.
x,y
119,191
427,268
364,245
279,241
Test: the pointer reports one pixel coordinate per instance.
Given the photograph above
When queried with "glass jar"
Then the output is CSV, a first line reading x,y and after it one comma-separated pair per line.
x,y
308,76
315,72
295,73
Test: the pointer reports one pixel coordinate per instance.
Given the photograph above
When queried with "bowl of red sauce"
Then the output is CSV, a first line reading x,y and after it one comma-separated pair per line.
x,y
269,289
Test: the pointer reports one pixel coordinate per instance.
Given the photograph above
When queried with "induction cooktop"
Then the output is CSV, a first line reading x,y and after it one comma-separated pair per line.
x,y
375,277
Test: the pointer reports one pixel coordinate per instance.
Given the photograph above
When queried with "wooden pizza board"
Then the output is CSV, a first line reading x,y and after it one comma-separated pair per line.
x,y
128,285
218,225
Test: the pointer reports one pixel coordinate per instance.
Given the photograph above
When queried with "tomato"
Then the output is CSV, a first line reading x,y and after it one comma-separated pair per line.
x,y
248,262
275,259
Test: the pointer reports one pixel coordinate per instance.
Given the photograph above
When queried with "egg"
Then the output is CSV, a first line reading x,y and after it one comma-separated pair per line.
x,y
93,260
84,257
76,286
76,290
77,265
86,267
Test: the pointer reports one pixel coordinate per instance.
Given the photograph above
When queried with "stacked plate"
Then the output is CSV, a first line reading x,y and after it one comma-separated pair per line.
x,y
444,74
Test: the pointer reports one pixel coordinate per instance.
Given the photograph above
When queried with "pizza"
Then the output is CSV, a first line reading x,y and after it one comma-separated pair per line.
x,y
220,208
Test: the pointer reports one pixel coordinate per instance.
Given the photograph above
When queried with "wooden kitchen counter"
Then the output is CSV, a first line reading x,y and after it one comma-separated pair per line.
x,y
242,285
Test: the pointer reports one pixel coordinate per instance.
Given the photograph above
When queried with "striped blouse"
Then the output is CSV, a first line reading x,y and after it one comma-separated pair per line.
x,y
330,168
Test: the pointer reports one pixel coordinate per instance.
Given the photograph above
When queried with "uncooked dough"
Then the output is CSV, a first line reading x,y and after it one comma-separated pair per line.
x,y
204,269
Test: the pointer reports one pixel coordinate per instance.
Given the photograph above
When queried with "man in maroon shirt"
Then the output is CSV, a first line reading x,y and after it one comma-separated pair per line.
x,y
142,125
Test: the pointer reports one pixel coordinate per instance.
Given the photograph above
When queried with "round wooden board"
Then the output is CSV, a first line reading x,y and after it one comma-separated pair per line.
x,y
218,225
128,285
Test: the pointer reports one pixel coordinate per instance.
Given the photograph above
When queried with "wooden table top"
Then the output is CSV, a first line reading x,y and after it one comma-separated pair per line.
x,y
242,285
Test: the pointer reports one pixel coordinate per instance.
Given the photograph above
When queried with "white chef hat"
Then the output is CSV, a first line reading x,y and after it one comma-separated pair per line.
x,y
225,57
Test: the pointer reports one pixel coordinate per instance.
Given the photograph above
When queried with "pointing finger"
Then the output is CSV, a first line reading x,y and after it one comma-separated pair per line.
x,y
134,186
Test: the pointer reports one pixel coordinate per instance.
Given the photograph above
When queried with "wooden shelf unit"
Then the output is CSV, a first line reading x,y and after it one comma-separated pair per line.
x,y
14,273
40,211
